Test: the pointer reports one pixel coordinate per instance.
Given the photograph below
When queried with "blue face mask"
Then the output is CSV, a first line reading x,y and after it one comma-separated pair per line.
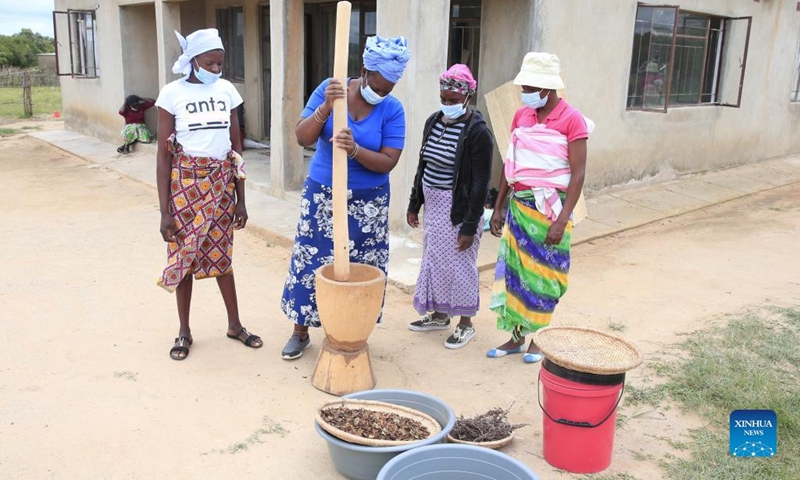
x,y
453,111
369,95
534,100
205,76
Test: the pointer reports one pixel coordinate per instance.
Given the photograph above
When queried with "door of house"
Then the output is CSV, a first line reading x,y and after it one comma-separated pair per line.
x,y
464,44
320,20
266,69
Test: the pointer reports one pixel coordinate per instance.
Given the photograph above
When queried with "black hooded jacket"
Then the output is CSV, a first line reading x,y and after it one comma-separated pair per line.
x,y
473,169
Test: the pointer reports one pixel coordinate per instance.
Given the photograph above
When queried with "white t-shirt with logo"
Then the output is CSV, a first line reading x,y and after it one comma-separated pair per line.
x,y
202,115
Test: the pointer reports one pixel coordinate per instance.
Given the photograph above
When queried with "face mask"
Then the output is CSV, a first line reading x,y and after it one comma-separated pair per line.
x,y
453,111
534,100
369,95
205,76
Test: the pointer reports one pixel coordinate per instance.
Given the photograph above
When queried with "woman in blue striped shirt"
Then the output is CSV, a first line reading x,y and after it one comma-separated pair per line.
x,y
452,182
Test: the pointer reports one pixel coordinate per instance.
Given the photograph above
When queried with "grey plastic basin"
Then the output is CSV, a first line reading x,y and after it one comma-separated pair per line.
x,y
360,462
454,462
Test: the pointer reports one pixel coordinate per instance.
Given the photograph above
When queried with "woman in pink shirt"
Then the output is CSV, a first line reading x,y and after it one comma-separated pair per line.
x,y
544,169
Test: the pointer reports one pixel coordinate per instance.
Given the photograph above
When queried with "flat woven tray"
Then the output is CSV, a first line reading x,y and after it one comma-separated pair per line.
x,y
587,350
425,419
494,445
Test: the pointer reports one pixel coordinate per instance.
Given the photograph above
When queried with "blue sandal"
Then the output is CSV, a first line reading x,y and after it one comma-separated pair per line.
x,y
498,353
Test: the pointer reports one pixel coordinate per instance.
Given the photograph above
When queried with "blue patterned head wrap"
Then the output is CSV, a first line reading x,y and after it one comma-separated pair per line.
x,y
387,56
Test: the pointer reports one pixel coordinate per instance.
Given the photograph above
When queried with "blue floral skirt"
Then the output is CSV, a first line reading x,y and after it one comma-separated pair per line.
x,y
368,215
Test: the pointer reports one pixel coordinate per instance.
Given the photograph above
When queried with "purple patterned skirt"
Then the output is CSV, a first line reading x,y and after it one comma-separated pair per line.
x,y
448,279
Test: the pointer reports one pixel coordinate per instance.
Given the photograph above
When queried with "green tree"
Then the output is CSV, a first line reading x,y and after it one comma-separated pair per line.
x,y
19,50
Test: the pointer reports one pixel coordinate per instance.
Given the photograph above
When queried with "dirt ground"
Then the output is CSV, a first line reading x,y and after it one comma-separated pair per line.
x,y
87,389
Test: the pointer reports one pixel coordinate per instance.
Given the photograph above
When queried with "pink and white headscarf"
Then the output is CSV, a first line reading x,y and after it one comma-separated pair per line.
x,y
459,79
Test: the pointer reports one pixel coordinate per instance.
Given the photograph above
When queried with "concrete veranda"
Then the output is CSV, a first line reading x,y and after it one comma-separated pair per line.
x,y
611,211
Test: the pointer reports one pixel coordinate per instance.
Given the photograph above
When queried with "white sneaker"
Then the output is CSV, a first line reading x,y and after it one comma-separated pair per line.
x,y
460,337
428,323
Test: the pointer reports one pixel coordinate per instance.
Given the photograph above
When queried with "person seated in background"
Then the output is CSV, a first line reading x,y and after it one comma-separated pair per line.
x,y
135,129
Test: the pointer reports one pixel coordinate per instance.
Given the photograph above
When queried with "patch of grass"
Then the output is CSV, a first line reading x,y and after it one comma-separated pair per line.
x,y
642,457
677,444
752,363
623,419
268,427
126,375
45,100
644,396
615,476
4,132
617,326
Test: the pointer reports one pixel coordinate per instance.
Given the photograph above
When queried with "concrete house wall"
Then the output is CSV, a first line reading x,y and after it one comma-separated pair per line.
x,y
90,104
593,38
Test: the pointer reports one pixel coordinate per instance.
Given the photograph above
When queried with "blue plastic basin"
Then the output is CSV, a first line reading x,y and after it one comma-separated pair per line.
x,y
454,462
361,462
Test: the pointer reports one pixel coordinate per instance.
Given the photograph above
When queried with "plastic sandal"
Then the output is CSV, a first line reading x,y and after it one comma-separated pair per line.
x,y
498,353
249,340
180,347
532,357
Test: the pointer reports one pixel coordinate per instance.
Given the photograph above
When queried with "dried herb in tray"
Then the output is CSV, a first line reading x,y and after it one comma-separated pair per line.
x,y
375,425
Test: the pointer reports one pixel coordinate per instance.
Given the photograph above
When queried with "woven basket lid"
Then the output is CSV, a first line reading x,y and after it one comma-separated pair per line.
x,y
587,350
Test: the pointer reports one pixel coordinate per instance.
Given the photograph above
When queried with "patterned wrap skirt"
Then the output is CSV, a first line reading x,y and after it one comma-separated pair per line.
x,y
448,279
202,203
137,132
368,217
530,277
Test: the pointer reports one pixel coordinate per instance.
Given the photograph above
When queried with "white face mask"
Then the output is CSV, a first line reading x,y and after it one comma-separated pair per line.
x,y
368,94
534,100
205,76
453,111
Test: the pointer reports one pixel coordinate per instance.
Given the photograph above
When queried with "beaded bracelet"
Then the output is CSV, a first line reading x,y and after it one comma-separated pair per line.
x,y
355,152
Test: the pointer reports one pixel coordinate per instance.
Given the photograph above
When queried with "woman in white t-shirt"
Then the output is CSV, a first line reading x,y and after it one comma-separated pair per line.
x,y
200,176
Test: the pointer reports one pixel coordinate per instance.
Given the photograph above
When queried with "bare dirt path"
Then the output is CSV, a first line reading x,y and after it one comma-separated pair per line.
x,y
87,388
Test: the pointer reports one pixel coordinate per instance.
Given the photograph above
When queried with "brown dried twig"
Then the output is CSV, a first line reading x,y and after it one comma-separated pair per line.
x,y
486,427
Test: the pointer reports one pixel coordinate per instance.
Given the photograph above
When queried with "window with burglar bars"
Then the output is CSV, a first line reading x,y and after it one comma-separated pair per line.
x,y
230,23
686,58
796,84
77,48
464,45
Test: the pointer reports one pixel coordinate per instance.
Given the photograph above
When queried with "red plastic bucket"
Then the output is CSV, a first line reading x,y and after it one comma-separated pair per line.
x,y
580,414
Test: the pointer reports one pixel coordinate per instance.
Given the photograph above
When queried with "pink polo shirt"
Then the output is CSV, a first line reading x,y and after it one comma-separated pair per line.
x,y
564,119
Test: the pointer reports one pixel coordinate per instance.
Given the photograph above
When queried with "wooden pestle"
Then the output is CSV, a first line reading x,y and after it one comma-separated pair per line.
x,y
341,235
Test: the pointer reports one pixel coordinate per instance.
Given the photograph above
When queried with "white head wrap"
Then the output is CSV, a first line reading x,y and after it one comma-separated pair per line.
x,y
196,43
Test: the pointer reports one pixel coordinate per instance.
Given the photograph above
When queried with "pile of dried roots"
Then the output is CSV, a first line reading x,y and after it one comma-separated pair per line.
x,y
486,427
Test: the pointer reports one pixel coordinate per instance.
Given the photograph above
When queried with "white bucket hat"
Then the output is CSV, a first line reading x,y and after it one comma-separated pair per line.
x,y
540,70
